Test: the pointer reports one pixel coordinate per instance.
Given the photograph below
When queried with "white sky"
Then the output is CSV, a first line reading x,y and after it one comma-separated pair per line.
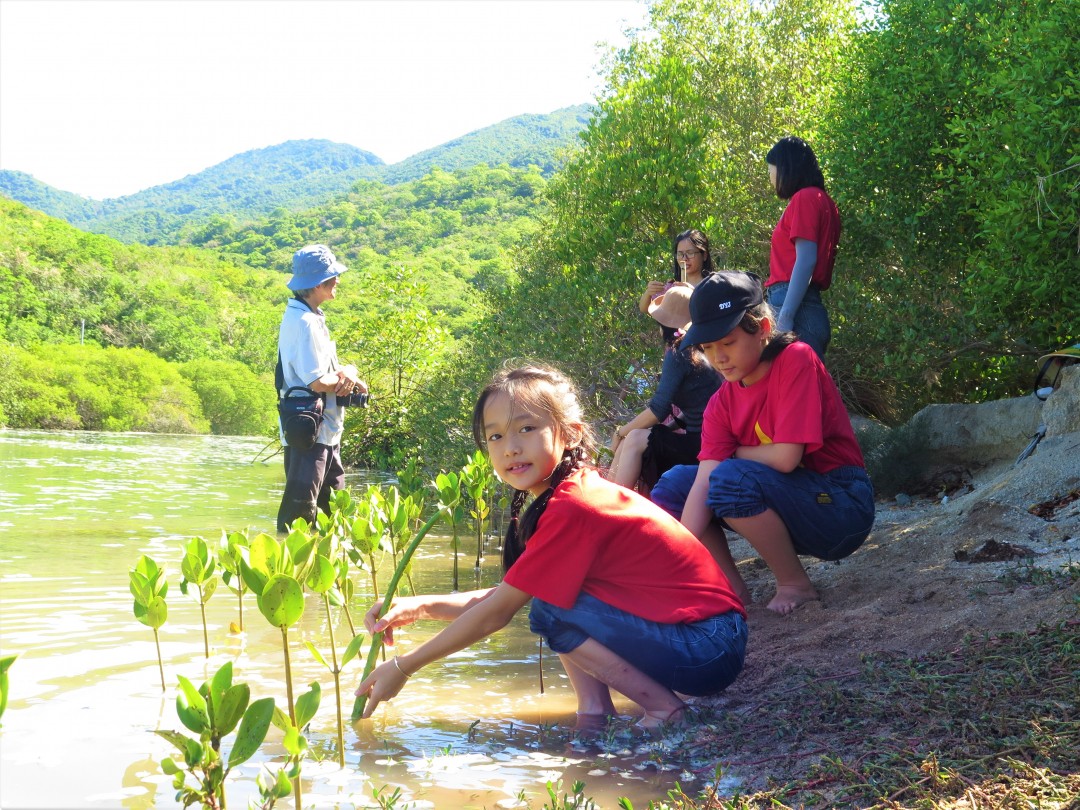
x,y
108,97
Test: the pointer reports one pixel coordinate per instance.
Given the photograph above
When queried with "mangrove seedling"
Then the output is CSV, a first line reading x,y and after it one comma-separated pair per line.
x,y
198,568
212,712
273,572
388,597
449,488
366,533
478,478
401,513
5,664
229,553
149,587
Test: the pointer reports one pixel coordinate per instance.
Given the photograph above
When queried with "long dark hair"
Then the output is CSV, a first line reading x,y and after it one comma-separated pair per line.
x,y
538,389
796,167
701,242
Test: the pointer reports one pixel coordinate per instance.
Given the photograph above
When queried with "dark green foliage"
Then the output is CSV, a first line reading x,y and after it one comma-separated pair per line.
x,y
234,399
953,151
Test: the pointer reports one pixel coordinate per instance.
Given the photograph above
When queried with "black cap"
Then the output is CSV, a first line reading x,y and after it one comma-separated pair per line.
x,y
719,304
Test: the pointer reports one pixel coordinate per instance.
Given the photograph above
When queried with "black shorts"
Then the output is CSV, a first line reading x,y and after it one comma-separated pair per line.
x,y
667,449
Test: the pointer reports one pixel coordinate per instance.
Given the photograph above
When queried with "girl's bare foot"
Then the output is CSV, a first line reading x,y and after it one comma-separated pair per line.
x,y
657,719
592,722
789,597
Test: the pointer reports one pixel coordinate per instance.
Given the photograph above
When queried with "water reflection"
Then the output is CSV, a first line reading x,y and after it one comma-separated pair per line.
x,y
77,509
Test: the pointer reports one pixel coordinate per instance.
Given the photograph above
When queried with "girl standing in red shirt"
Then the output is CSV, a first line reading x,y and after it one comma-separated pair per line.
x,y
803,247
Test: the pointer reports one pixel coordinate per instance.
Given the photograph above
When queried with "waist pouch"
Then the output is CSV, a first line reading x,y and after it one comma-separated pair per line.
x,y
301,413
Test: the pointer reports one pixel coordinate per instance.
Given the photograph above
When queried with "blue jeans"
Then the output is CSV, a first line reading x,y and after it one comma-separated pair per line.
x,y
696,659
827,515
811,322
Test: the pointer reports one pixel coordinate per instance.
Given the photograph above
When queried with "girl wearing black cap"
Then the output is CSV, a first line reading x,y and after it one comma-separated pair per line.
x,y
779,463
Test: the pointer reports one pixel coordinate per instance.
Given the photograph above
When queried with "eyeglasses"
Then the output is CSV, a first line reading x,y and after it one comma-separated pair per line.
x,y
682,255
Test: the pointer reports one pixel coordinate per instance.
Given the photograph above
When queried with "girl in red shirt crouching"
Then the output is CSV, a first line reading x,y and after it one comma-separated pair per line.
x,y
620,590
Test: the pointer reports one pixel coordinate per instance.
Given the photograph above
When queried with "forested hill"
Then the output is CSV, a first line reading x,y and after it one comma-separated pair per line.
x,y
295,176
520,142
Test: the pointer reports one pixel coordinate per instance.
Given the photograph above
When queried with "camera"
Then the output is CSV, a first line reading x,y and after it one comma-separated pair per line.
x,y
354,399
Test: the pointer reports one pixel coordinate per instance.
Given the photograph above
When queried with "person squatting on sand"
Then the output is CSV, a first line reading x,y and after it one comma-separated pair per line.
x,y
620,590
779,463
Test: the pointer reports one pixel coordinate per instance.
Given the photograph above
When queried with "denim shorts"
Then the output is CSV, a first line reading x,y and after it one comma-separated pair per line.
x,y
827,515
695,659
811,322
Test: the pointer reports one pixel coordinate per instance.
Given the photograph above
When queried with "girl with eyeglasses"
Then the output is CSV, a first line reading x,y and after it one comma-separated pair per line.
x,y
691,263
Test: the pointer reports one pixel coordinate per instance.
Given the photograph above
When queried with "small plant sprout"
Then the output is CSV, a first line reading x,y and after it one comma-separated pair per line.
x,y
198,568
450,507
478,478
212,711
5,664
229,554
149,587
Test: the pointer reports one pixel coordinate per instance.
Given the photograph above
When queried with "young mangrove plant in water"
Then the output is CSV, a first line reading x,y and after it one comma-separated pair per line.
x,y
212,712
149,587
229,553
198,569
478,478
273,572
391,589
449,488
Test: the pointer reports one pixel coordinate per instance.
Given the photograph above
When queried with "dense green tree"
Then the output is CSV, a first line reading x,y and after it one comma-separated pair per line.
x,y
953,145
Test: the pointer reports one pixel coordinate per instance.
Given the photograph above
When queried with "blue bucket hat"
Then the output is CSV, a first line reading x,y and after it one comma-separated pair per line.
x,y
312,265
719,304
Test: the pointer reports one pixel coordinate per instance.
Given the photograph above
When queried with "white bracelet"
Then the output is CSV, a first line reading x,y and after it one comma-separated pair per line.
x,y
399,669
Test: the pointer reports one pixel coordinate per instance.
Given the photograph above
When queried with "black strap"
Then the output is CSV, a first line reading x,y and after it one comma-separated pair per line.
x,y
279,371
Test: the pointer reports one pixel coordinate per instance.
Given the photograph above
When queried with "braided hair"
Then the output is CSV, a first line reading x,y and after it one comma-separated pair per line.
x,y
537,389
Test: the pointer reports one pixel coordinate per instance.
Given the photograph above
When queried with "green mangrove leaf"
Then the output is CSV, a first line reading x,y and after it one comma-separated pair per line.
x,y
191,707
307,704
353,649
295,743
264,556
208,589
282,785
255,578
252,731
317,655
282,601
168,767
221,683
140,588
192,569
231,709
321,578
155,613
5,664
281,719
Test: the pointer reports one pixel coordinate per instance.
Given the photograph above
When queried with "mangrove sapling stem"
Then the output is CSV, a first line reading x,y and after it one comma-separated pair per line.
x,y
202,610
388,597
289,693
337,683
161,669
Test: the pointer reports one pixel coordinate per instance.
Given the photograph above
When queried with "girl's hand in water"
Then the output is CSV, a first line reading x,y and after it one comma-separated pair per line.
x,y
382,684
403,610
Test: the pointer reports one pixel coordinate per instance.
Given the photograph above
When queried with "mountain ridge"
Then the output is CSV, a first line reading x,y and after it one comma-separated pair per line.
x,y
295,175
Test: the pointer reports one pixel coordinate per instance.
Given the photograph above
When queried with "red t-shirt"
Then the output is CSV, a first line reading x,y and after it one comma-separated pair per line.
x,y
810,214
795,402
598,537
